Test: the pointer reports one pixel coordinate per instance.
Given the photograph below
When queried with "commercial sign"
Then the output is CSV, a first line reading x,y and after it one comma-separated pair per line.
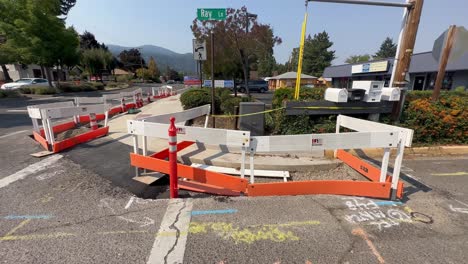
x,y
381,66
211,14
219,83
191,80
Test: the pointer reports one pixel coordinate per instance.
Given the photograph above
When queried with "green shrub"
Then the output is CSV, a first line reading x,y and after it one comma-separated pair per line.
x,y
26,90
69,87
306,94
441,122
228,105
8,93
44,90
98,86
195,98
123,78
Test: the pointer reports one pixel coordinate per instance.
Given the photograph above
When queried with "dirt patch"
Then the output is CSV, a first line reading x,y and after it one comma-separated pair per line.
x,y
80,129
341,172
224,123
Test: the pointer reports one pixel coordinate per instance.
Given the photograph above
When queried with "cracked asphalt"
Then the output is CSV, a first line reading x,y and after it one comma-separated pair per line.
x,y
83,208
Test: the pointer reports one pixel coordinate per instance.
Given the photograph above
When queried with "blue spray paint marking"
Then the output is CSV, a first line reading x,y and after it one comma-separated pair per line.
x,y
27,216
208,212
383,203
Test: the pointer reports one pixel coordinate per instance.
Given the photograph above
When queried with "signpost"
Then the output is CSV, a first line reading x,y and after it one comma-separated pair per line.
x,y
211,14
449,47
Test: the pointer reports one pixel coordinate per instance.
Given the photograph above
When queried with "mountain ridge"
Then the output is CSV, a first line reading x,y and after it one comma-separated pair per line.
x,y
182,62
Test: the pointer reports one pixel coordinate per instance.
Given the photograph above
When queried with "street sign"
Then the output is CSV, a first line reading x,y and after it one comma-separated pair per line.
x,y
199,50
459,48
211,14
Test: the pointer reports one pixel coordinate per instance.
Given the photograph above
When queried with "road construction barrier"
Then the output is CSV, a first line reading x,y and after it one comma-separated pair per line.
x,y
47,113
163,91
368,135
173,160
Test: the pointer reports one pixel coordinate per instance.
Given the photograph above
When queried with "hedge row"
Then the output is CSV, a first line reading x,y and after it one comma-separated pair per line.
x,y
442,122
224,102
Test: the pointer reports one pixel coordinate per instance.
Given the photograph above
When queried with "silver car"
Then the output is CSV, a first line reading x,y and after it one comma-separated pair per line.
x,y
25,82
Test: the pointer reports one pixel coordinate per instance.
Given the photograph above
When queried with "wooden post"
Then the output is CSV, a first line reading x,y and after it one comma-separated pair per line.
x,y
406,52
447,49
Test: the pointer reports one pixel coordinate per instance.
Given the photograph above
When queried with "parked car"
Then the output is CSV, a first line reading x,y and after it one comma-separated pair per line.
x,y
170,82
23,82
254,86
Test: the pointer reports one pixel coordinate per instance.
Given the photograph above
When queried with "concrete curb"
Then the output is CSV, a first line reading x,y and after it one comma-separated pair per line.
x,y
417,151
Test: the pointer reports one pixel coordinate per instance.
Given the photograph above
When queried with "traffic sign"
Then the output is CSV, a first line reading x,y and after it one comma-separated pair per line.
x,y
199,50
211,14
459,48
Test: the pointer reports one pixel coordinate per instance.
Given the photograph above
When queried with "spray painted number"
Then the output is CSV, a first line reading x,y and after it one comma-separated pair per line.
x,y
364,168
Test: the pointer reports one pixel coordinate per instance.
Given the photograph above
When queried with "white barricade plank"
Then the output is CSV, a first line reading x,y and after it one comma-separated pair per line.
x,y
361,125
179,116
34,110
208,136
306,143
88,100
127,94
232,171
73,111
112,97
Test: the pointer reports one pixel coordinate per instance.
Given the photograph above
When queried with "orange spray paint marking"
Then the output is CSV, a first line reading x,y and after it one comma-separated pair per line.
x,y
360,232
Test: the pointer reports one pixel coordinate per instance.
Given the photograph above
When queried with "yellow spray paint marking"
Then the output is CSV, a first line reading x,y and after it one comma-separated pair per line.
x,y
461,173
23,223
249,234
32,237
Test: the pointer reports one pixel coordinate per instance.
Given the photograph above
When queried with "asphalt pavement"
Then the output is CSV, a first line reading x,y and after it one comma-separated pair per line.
x,y
65,208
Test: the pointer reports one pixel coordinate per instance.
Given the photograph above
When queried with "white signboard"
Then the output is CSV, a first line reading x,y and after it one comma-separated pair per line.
x,y
199,50
459,48
381,66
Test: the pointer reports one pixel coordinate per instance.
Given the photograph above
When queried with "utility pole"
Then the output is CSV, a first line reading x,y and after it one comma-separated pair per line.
x,y
406,52
212,81
443,62
246,56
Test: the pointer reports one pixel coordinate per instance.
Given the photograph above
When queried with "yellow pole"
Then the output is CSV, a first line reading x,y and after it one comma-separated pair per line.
x,y
299,61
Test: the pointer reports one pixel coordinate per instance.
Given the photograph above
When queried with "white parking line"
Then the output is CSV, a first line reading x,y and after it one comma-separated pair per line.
x,y
171,248
12,134
33,168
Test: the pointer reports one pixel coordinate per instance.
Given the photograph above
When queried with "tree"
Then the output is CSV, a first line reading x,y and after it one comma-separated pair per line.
x,y
266,65
235,48
317,55
143,73
153,69
88,41
131,59
96,60
387,49
358,58
172,74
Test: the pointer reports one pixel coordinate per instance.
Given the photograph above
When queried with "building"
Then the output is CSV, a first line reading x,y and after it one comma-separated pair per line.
x,y
422,72
18,71
288,79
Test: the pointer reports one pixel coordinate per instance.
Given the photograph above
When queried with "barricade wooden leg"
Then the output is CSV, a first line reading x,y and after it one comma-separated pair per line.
x,y
242,169
136,151
384,167
252,180
397,166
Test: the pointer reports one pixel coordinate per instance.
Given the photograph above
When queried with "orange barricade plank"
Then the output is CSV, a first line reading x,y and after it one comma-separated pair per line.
x,y
353,188
85,119
61,127
366,169
70,142
163,154
149,163
369,171
205,188
184,171
41,140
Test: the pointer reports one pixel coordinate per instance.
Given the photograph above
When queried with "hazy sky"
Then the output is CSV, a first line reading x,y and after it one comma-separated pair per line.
x,y
353,29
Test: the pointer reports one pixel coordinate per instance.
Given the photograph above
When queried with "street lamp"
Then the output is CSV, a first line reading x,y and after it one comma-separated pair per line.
x,y
246,56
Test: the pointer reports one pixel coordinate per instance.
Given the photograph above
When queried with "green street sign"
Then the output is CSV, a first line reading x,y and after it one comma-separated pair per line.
x,y
211,14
